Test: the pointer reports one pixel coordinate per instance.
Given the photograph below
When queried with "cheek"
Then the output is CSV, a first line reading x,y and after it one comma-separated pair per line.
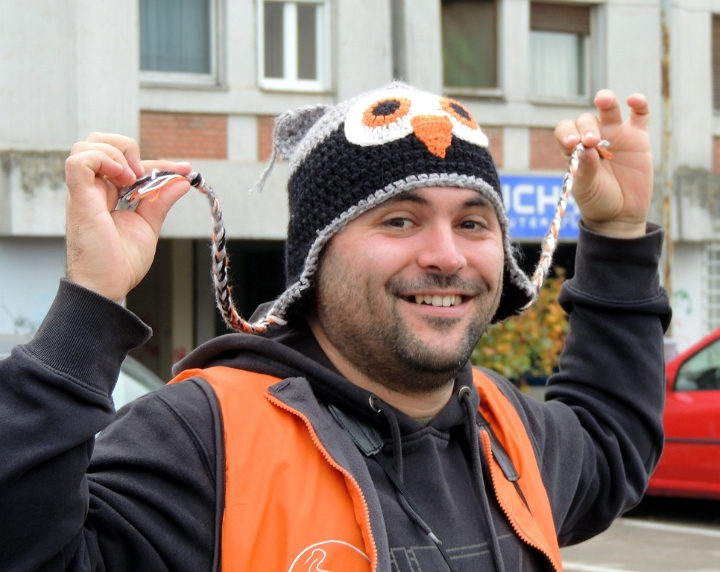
x,y
489,262
373,260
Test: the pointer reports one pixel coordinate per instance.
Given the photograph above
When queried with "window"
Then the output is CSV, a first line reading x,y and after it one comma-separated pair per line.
x,y
712,254
701,371
469,41
716,61
177,40
559,50
293,45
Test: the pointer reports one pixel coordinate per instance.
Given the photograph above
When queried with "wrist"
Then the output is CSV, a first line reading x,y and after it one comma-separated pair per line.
x,y
617,228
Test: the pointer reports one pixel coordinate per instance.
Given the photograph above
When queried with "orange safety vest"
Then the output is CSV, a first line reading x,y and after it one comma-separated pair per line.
x,y
290,506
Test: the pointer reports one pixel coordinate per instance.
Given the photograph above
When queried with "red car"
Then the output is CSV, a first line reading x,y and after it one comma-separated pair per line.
x,y
690,464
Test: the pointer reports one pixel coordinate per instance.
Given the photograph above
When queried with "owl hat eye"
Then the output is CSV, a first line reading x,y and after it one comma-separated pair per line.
x,y
349,158
376,120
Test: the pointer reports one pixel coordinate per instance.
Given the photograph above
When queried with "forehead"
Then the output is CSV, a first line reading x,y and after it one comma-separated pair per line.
x,y
437,197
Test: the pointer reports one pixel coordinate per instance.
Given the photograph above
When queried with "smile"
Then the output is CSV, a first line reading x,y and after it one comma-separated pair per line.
x,y
438,301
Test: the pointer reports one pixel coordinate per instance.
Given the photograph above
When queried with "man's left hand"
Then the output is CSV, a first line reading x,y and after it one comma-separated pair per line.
x,y
613,195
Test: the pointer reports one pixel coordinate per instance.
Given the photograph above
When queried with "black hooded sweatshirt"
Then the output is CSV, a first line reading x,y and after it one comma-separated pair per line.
x,y
148,493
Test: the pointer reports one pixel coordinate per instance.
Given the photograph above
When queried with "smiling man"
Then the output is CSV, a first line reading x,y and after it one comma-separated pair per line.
x,y
349,431
405,292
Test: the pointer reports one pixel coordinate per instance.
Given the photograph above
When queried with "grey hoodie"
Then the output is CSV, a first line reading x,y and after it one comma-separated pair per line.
x,y
148,495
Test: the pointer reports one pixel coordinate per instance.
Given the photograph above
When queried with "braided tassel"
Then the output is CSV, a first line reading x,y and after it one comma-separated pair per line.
x,y
150,185
549,243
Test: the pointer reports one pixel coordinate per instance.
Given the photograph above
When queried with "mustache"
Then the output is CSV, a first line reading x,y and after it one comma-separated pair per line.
x,y
397,285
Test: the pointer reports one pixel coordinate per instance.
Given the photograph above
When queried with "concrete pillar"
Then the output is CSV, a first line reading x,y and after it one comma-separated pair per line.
x,y
514,48
423,44
363,51
183,334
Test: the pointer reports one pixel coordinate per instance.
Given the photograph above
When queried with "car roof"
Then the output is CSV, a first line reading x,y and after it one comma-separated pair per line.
x,y
9,341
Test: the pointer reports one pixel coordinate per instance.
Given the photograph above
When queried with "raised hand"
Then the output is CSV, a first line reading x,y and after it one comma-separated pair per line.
x,y
110,251
613,196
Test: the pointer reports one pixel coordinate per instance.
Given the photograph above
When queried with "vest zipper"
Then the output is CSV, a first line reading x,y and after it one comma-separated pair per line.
x,y
316,440
511,519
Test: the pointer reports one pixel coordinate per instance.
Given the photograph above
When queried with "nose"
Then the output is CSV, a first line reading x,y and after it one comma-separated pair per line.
x,y
440,251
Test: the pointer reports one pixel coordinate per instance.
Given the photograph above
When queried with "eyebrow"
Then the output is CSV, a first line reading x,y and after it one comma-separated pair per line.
x,y
478,201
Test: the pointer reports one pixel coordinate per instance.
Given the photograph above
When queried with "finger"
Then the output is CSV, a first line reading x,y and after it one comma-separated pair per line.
x,y
589,128
154,210
567,135
126,177
181,168
82,168
639,111
608,107
126,145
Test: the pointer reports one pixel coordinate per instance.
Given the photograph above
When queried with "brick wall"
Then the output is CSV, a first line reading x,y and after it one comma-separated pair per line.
x,y
716,155
183,135
495,137
545,152
265,126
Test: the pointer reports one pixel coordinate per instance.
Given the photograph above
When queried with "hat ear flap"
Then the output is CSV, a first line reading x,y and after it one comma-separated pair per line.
x,y
290,128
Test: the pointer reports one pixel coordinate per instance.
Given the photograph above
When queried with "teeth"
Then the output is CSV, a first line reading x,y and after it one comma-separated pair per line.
x,y
438,301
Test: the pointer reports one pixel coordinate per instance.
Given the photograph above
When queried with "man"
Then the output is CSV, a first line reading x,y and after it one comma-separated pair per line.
x,y
352,434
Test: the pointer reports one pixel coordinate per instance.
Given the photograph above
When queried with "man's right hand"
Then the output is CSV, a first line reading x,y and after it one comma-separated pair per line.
x,y
109,251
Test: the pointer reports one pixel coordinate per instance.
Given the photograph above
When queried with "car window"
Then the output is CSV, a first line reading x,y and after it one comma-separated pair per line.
x,y
127,389
701,371
135,380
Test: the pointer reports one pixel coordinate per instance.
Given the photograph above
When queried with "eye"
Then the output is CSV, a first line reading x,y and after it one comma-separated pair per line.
x,y
459,112
473,225
386,111
399,223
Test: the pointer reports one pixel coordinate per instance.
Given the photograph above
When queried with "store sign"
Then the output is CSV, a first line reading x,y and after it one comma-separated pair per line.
x,y
530,203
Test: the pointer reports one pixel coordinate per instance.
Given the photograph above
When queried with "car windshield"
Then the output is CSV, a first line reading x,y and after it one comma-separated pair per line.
x,y
135,380
702,371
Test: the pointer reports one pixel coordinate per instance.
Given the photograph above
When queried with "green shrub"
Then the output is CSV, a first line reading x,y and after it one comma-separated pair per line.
x,y
528,345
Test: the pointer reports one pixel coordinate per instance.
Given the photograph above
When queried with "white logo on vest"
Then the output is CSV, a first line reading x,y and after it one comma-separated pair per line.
x,y
332,555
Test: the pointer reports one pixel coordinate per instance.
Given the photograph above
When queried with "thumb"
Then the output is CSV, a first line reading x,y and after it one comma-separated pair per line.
x,y
155,209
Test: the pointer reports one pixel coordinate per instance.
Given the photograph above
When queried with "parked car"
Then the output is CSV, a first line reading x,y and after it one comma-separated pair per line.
x,y
690,464
135,379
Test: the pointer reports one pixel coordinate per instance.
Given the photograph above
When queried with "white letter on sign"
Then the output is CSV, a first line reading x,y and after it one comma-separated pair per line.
x,y
546,200
518,206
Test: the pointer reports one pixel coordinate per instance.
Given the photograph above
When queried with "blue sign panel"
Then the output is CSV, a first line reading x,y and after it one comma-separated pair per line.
x,y
530,202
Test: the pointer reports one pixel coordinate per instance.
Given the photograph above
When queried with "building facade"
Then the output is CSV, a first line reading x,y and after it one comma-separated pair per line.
x,y
202,80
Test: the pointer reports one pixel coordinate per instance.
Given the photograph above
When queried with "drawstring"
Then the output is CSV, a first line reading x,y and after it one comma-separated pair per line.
x,y
464,397
396,477
371,444
396,443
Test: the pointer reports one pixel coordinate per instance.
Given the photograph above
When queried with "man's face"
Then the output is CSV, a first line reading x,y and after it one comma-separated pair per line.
x,y
407,289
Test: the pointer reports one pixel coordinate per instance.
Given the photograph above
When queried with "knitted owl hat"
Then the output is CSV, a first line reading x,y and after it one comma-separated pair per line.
x,y
348,158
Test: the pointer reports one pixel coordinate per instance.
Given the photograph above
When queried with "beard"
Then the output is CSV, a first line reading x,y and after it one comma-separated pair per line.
x,y
366,326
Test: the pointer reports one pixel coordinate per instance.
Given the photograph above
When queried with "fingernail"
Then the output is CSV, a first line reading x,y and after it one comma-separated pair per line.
x,y
589,134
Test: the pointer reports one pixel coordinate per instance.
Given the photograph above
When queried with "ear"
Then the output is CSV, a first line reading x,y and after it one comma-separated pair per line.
x,y
292,126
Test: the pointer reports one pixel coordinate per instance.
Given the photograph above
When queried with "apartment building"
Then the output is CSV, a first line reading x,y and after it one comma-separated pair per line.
x,y
202,80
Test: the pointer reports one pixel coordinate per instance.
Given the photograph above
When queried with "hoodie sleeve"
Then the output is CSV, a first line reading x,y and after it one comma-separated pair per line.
x,y
133,506
599,433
